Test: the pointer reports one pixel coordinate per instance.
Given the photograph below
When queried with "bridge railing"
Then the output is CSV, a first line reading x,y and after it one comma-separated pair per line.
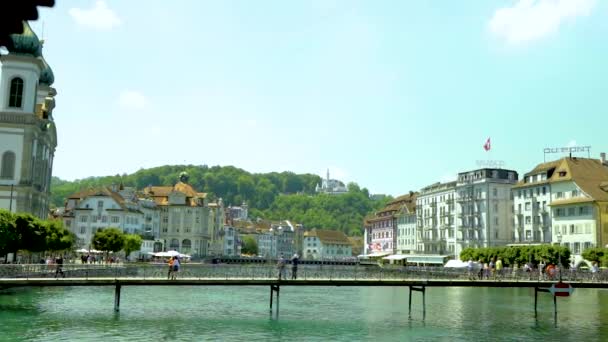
x,y
261,271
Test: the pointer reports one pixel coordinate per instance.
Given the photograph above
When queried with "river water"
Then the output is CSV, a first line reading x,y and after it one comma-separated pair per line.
x,y
192,313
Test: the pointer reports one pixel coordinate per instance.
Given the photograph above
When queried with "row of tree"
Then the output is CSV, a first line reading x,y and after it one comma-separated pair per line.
x,y
519,255
114,240
24,232
599,255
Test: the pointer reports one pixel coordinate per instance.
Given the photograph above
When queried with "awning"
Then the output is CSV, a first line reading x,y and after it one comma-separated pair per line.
x,y
396,257
426,259
374,255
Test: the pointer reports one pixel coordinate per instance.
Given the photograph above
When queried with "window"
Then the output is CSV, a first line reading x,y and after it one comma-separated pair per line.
x,y
528,219
68,223
15,98
583,210
562,173
571,211
528,206
83,218
494,192
495,207
575,193
115,219
559,194
104,218
544,190
8,165
559,212
496,222
99,204
83,230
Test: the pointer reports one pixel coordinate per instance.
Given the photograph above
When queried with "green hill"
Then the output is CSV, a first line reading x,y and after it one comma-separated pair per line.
x,y
273,195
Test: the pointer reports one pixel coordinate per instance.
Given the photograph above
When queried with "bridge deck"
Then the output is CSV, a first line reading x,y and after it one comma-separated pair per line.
x,y
126,281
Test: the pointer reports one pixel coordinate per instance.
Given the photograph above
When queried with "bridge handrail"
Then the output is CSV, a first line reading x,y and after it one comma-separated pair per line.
x,y
264,271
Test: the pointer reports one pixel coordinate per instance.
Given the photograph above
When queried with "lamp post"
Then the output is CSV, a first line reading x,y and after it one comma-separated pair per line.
x,y
559,254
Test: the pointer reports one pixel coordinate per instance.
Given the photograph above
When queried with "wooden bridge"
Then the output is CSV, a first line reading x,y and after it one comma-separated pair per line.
x,y
416,280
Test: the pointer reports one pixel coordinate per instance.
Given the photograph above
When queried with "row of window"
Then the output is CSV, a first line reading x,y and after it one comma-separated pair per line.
x,y
572,229
572,211
102,218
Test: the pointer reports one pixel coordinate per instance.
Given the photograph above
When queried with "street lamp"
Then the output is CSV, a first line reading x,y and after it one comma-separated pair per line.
x,y
559,254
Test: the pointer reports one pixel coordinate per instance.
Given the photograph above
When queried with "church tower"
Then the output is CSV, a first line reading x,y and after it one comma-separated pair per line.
x,y
28,137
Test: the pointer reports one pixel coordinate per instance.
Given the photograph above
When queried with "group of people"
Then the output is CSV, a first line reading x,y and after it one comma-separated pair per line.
x,y
486,270
174,266
282,265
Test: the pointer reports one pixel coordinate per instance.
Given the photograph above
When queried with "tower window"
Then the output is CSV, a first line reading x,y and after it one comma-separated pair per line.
x,y
15,98
8,165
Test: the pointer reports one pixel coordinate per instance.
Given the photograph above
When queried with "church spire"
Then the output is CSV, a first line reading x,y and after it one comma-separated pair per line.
x,y
328,175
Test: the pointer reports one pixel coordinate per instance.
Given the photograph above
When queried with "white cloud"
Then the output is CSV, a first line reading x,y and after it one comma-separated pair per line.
x,y
99,17
132,100
572,143
529,20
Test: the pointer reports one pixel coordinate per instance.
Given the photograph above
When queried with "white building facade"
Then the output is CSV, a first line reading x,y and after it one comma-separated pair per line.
x,y
484,208
28,136
435,212
326,245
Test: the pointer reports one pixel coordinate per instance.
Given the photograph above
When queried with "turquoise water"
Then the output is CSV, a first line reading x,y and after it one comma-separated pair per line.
x,y
306,314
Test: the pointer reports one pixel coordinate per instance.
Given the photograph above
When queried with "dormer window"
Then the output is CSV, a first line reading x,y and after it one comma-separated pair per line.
x,y
562,173
15,98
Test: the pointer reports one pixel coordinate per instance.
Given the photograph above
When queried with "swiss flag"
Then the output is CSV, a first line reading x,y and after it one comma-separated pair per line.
x,y
487,146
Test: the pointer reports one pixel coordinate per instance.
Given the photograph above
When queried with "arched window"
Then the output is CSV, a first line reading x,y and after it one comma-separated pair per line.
x,y
186,245
15,98
174,244
8,165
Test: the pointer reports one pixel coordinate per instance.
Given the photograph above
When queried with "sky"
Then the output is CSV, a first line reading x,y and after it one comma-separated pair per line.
x,y
393,95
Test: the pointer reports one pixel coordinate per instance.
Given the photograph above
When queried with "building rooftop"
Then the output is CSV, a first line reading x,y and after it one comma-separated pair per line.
x,y
326,236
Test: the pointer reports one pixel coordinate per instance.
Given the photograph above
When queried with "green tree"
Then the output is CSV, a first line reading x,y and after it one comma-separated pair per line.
x,y
9,236
32,233
132,243
57,237
250,246
108,240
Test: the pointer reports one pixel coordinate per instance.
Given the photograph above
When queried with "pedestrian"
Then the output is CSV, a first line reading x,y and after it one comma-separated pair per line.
x,y
594,271
176,266
541,269
281,267
170,273
59,267
470,269
295,260
486,270
493,267
498,267
480,273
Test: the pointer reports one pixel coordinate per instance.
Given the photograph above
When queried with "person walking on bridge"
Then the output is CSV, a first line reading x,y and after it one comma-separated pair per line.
x,y
498,268
59,267
170,273
281,267
294,266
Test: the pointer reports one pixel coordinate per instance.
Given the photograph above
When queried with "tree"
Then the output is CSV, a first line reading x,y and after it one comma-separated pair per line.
x,y
9,236
57,237
132,243
32,233
108,239
250,246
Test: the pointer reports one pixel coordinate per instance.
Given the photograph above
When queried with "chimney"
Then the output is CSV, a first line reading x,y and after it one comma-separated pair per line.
x,y
603,158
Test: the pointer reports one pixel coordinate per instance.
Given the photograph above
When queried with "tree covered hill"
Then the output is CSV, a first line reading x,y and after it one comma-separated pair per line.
x,y
272,195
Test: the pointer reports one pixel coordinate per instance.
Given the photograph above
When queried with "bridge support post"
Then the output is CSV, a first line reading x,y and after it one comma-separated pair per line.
x,y
419,289
117,298
273,289
536,291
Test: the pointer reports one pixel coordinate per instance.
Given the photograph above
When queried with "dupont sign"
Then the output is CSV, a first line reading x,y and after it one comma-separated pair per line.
x,y
561,289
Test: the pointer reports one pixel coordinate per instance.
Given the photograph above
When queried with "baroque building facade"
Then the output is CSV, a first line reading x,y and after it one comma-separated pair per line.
x,y
28,136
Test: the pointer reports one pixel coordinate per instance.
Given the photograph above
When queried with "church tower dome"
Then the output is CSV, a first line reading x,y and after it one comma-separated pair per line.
x,y
26,43
46,75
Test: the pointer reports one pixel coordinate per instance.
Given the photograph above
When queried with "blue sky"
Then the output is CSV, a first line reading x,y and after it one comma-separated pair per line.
x,y
394,95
